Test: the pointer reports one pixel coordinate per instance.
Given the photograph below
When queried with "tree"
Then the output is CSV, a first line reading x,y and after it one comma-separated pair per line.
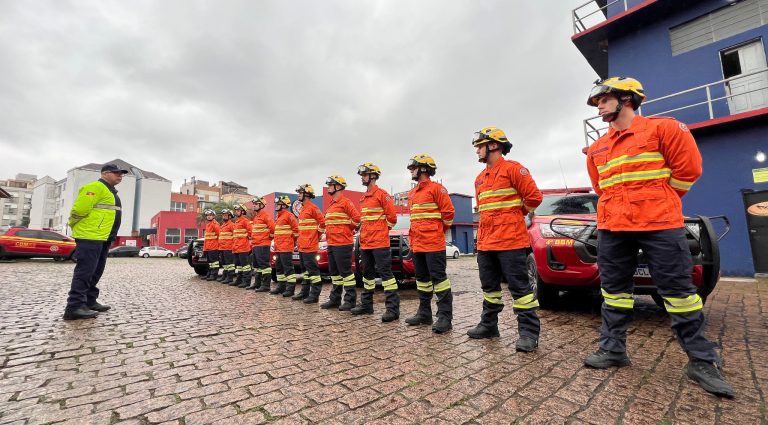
x,y
216,207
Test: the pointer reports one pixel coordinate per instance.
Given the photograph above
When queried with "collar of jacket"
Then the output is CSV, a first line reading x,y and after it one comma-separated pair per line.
x,y
639,123
109,186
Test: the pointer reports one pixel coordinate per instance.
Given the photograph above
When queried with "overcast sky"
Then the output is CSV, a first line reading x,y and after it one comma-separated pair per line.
x,y
271,94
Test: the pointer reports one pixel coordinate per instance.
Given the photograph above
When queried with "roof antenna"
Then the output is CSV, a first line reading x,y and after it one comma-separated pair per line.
x,y
563,174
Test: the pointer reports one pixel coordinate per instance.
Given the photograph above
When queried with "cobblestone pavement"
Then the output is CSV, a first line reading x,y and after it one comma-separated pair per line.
x,y
178,350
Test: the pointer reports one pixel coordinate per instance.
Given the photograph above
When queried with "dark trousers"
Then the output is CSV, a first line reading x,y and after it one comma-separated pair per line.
x,y
508,266
431,278
242,263
213,259
670,264
261,259
284,267
91,258
227,261
379,262
340,269
311,269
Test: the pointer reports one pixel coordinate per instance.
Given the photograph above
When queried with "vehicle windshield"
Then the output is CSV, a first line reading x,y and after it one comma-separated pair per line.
x,y
568,204
403,222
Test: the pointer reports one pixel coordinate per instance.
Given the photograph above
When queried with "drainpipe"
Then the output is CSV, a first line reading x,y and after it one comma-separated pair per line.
x,y
136,200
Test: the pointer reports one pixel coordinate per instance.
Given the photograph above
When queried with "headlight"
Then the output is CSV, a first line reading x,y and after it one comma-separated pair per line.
x,y
274,258
571,231
317,258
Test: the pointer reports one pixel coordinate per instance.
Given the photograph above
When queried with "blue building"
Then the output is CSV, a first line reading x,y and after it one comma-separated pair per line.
x,y
462,233
704,63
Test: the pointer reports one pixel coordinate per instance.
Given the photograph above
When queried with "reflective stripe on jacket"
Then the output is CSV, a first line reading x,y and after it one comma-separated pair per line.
x,y
286,231
225,235
504,194
241,235
377,216
341,220
93,213
311,225
641,173
211,236
262,229
431,216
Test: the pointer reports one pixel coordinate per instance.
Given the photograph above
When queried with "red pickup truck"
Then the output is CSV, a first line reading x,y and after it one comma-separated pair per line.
x,y
22,242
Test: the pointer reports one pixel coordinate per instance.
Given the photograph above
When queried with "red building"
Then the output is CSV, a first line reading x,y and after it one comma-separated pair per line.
x,y
174,228
181,202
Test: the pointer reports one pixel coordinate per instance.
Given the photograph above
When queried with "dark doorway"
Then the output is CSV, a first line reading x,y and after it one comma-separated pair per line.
x,y
756,205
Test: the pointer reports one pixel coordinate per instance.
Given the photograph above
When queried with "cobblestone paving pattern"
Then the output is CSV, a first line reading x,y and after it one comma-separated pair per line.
x,y
178,350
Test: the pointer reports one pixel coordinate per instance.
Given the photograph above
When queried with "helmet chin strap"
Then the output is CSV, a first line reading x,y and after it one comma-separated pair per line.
x,y
611,117
487,153
422,170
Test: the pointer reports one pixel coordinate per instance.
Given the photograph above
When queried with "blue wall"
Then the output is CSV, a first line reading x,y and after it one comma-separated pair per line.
x,y
463,238
729,157
463,206
646,54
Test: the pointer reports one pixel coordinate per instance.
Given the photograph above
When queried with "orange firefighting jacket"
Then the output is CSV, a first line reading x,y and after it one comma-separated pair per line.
x,y
641,174
262,228
341,220
286,231
241,236
431,216
504,194
377,216
225,235
211,236
311,226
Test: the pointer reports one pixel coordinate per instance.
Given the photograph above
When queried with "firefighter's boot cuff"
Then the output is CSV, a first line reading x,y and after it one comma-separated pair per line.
x,y
481,331
709,377
526,344
603,359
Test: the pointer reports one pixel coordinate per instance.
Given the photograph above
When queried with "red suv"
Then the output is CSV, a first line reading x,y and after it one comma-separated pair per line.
x,y
563,255
21,242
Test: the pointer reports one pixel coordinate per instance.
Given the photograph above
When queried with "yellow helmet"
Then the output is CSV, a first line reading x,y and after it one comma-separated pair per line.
x,y
492,134
423,160
306,189
341,181
368,168
258,200
236,207
618,86
284,201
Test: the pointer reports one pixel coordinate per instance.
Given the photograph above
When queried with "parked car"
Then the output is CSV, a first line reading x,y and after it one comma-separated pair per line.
x,y
22,242
155,251
563,253
182,251
123,251
451,250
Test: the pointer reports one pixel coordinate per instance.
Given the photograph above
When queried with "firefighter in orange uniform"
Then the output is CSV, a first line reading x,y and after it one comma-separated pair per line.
x,y
262,232
286,233
641,168
241,247
431,216
225,247
377,217
341,220
311,226
211,244
505,192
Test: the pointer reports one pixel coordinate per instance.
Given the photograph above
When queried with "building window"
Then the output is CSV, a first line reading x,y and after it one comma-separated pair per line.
x,y
190,235
172,236
178,206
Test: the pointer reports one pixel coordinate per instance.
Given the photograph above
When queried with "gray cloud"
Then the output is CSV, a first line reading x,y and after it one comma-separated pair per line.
x,y
275,93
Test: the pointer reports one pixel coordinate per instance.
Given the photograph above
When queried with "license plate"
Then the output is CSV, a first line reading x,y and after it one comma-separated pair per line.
x,y
643,271
295,256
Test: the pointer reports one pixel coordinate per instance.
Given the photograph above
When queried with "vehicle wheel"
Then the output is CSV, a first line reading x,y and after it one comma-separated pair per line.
x,y
455,255
546,294
201,270
110,255
58,259
145,255
171,255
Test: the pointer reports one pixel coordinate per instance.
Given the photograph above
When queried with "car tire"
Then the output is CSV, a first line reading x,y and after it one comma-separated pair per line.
x,y
145,255
110,255
545,293
201,270
171,255
455,255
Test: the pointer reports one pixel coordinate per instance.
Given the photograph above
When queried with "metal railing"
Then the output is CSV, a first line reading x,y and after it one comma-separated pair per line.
x,y
579,23
593,132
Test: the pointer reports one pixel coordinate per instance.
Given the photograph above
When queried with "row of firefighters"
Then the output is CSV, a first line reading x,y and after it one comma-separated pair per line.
x,y
641,169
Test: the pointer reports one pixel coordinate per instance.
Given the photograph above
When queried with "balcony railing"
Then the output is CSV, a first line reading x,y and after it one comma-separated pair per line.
x,y
590,14
697,104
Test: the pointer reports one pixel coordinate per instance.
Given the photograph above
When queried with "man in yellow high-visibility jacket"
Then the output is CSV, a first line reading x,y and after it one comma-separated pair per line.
x,y
94,219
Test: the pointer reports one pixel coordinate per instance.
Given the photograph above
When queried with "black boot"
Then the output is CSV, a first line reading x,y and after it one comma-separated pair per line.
x,y
230,277
222,277
236,280
423,315
526,344
334,299
444,312
304,293
256,281
481,331
278,289
603,359
350,298
709,377
266,281
314,294
80,313
392,303
245,280
366,303
290,288
212,274
442,325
